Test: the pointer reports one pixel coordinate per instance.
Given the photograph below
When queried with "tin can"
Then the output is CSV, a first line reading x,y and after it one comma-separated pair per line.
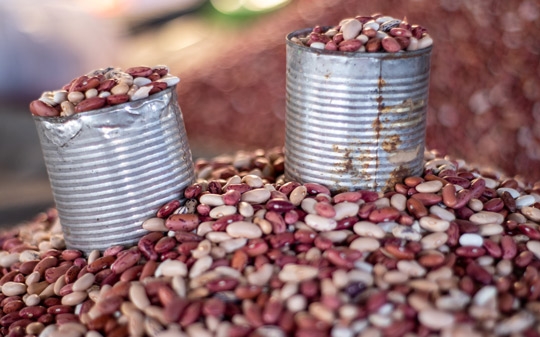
x,y
355,120
112,168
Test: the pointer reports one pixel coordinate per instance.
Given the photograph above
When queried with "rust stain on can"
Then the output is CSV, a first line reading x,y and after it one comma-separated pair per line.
x,y
391,144
345,166
396,176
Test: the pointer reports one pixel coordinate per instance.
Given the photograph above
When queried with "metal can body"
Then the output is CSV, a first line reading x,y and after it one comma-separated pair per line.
x,y
111,169
355,120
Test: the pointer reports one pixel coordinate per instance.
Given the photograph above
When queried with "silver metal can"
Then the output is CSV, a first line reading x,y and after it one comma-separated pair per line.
x,y
111,169
355,120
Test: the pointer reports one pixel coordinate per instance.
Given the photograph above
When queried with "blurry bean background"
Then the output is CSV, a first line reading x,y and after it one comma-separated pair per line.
x,y
484,103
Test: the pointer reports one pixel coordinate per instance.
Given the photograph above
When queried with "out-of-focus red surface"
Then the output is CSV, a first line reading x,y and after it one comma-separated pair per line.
x,y
484,103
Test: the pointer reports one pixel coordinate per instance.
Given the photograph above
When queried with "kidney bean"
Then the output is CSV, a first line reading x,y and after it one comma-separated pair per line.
x,y
427,199
416,208
297,263
46,263
530,231
104,87
182,222
52,274
12,306
478,187
478,273
140,71
277,221
39,108
92,103
100,264
190,314
125,261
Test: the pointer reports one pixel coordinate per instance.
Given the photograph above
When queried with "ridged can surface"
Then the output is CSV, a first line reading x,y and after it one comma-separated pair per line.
x,y
355,120
111,169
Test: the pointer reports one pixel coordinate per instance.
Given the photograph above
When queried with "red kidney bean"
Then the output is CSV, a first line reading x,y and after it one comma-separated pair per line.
x,y
366,209
477,187
279,205
174,309
281,240
530,231
42,109
100,263
524,258
193,191
60,309
416,208
464,213
427,199
165,244
12,306
125,261
168,209
509,247
384,214
46,263
33,312
478,273
277,221
91,103
182,222
221,223
27,267
190,314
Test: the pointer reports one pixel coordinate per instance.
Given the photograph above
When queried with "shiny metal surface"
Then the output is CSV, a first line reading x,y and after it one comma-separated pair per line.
x,y
112,168
355,120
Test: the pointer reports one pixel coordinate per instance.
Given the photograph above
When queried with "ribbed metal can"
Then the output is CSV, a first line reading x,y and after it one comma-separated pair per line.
x,y
111,169
355,120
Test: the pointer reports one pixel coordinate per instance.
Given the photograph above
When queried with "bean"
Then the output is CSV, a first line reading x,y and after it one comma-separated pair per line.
x,y
368,229
84,282
13,288
534,247
433,224
435,319
432,186
320,223
364,276
93,92
384,214
297,273
182,222
416,208
74,298
243,229
256,196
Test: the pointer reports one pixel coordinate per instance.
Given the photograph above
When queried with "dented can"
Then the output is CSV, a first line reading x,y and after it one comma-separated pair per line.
x,y
112,168
355,120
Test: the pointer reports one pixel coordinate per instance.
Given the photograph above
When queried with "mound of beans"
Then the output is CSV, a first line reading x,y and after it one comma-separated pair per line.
x,y
372,34
454,252
101,88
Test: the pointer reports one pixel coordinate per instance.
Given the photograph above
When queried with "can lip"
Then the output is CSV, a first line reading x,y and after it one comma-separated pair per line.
x,y
64,119
381,55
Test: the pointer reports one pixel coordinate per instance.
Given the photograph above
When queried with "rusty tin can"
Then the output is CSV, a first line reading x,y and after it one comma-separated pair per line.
x,y
355,120
111,169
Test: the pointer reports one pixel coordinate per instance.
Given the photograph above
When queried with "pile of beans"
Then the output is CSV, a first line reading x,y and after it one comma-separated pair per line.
x,y
101,88
375,33
454,252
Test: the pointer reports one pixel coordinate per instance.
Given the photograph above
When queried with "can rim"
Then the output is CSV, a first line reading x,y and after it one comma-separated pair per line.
x,y
64,119
381,55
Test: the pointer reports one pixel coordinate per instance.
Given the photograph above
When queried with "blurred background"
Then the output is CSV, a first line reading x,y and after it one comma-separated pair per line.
x,y
484,103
